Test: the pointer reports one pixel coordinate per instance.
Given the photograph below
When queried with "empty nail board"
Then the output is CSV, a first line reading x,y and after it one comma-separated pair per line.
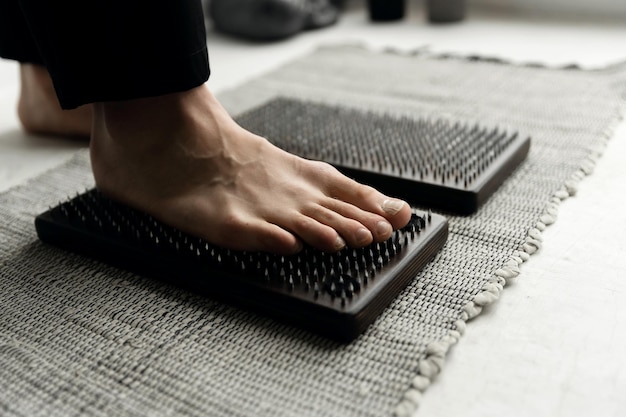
x,y
335,294
439,164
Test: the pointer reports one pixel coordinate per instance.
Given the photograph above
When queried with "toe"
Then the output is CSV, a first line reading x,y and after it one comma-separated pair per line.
x,y
355,233
252,234
316,233
275,239
396,212
379,228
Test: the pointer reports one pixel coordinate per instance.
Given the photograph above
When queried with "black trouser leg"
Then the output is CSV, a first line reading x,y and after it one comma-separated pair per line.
x,y
110,50
16,41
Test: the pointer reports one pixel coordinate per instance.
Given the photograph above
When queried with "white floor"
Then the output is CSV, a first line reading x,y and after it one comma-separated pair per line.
x,y
555,343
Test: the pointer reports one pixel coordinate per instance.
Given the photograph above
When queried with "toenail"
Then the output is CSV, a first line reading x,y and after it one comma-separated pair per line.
x,y
363,235
339,243
392,206
383,229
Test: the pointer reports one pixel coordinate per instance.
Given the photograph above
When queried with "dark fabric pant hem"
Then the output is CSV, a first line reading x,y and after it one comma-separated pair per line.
x,y
22,59
164,77
108,50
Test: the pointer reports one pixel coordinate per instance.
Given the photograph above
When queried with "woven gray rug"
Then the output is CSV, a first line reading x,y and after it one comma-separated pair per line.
x,y
81,338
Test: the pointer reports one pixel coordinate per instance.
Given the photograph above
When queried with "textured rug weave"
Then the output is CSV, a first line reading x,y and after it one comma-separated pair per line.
x,y
81,338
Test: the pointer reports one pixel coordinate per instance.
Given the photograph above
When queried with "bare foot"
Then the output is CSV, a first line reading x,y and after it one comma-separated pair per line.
x,y
182,159
39,110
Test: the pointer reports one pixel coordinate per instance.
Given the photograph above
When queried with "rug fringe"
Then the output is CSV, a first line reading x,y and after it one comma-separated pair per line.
x,y
425,51
431,365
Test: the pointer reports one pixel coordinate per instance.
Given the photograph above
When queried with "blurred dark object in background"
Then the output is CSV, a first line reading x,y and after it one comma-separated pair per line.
x,y
272,19
438,11
445,11
386,10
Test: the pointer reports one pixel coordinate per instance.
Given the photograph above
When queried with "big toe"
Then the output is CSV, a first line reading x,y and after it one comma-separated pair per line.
x,y
397,212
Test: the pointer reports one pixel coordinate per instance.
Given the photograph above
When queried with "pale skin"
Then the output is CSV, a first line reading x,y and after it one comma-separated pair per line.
x,y
182,158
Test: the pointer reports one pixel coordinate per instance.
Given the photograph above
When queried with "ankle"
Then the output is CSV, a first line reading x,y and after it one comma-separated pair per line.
x,y
140,118
160,122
